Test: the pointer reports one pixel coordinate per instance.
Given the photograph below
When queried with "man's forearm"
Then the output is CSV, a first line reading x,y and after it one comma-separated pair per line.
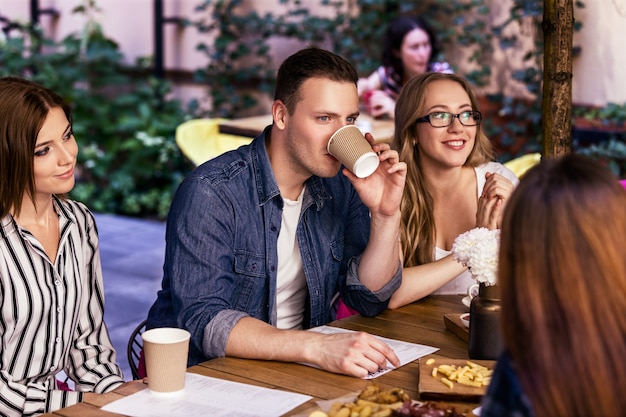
x,y
254,339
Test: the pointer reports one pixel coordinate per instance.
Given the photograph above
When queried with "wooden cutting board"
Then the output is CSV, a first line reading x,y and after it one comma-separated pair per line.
x,y
431,388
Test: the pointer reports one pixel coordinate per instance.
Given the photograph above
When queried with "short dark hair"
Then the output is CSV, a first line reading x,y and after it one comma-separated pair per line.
x,y
311,62
392,42
24,106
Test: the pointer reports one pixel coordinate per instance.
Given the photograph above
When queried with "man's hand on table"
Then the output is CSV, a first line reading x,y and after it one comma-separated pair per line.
x,y
357,354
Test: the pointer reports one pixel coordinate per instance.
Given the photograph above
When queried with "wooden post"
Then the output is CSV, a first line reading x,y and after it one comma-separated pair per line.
x,y
558,30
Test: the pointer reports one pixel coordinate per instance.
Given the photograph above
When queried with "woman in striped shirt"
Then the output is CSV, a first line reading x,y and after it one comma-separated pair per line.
x,y
51,288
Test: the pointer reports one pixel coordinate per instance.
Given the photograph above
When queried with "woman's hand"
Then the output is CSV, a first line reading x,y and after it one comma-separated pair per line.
x,y
491,203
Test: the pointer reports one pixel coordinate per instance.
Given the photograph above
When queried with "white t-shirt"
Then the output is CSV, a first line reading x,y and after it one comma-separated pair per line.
x,y
459,284
290,280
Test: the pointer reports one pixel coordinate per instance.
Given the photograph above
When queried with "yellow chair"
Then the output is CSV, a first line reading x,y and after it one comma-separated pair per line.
x,y
200,140
523,163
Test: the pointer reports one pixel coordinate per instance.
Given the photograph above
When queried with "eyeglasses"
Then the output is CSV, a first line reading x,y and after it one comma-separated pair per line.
x,y
444,118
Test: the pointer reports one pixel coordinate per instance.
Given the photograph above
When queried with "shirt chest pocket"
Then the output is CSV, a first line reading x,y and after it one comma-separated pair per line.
x,y
251,292
249,264
337,249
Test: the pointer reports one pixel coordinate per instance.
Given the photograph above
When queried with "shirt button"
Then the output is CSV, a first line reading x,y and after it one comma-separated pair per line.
x,y
58,339
57,282
58,309
52,368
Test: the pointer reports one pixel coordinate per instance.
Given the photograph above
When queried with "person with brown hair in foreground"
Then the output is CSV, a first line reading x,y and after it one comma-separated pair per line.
x,y
562,276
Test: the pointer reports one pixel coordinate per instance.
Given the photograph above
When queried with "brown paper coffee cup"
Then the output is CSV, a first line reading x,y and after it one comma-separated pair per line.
x,y
351,148
165,350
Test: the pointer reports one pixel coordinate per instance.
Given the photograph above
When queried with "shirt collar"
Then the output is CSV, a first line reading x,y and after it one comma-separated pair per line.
x,y
9,225
62,210
266,185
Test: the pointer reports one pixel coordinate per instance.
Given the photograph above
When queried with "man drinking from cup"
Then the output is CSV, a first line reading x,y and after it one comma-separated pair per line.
x,y
261,241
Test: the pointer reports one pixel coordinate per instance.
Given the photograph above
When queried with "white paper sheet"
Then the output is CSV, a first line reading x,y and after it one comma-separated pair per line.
x,y
406,352
205,396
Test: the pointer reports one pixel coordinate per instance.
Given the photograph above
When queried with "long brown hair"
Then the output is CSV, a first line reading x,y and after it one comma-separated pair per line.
x,y
562,273
418,221
24,106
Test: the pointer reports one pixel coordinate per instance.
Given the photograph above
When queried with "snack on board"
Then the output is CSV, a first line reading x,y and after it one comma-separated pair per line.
x,y
412,409
373,393
472,374
371,402
394,402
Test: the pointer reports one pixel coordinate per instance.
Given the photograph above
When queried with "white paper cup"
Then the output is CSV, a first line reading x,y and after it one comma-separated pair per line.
x,y
165,350
351,148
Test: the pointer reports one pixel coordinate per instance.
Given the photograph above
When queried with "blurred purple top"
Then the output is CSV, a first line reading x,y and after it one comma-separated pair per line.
x,y
623,182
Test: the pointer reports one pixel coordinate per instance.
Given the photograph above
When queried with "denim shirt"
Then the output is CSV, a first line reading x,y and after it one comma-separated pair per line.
x,y
221,250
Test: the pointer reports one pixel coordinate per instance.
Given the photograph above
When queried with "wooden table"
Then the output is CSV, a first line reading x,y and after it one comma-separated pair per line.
x,y
421,322
381,129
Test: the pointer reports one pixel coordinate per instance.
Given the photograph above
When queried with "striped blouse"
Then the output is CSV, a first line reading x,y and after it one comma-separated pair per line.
x,y
51,316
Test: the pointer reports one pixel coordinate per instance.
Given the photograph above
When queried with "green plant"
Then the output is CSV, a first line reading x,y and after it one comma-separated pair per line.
x,y
524,116
236,57
613,114
611,153
600,132
128,161
241,53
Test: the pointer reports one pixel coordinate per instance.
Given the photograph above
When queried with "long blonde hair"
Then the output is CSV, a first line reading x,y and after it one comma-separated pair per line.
x,y
418,222
562,276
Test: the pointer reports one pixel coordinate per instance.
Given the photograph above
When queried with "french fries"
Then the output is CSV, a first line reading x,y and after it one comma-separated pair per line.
x,y
447,382
472,374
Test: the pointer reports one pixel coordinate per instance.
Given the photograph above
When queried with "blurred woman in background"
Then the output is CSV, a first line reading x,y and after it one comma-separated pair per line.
x,y
409,49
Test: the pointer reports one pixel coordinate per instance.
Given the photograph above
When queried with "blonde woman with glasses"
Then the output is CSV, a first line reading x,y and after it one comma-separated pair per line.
x,y
452,186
